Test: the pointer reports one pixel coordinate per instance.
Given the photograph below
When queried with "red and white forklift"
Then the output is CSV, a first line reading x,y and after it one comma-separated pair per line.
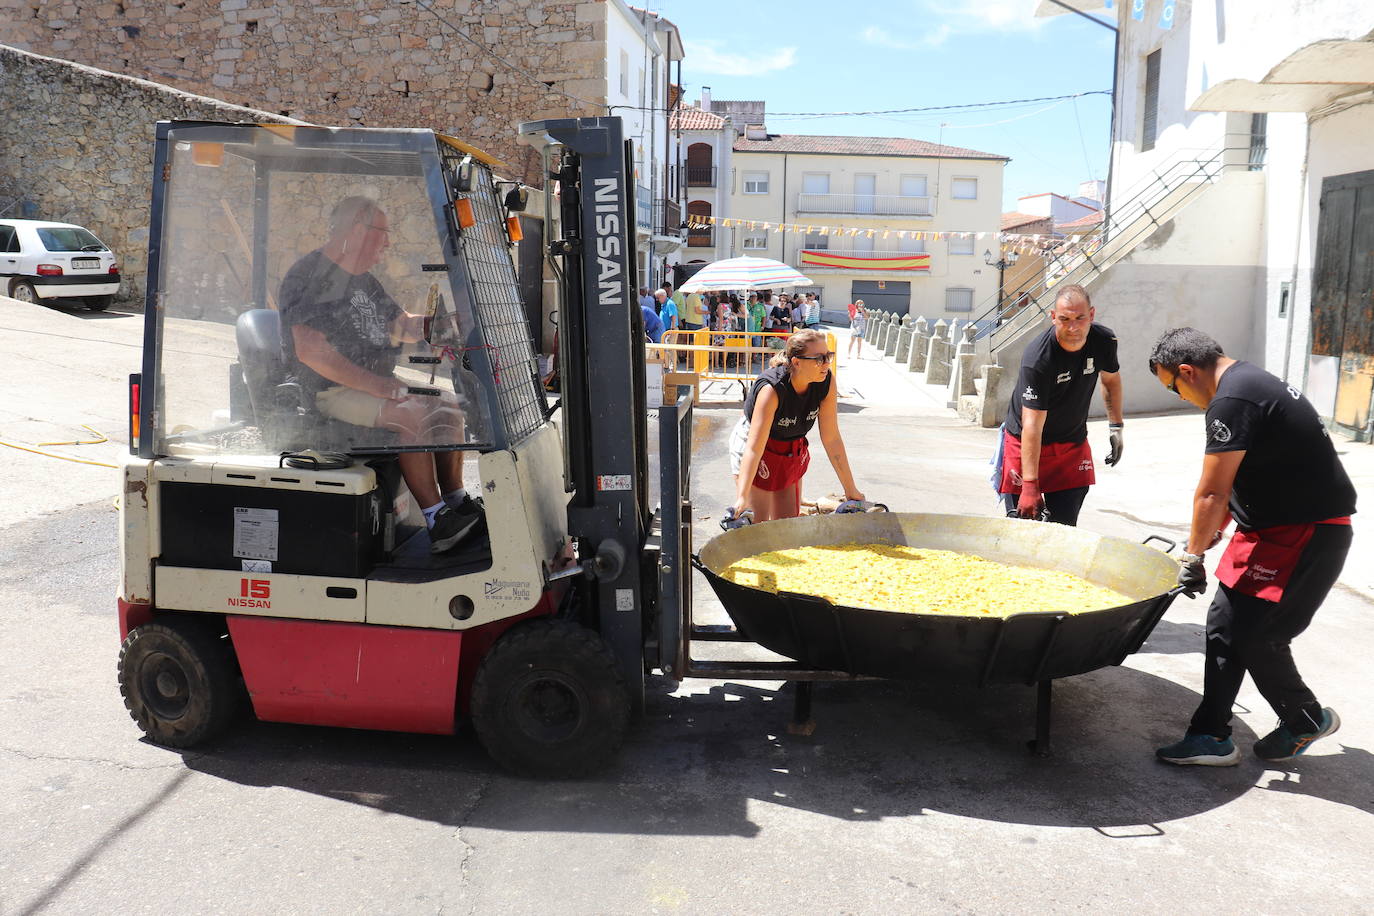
x,y
272,555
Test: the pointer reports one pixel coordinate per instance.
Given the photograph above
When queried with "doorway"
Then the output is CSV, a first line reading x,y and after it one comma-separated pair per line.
x,y
1340,380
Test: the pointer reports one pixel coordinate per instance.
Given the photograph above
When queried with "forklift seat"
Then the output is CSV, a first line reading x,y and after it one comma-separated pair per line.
x,y
282,410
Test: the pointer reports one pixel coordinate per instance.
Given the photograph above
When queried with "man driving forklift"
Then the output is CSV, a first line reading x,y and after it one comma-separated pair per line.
x,y
345,339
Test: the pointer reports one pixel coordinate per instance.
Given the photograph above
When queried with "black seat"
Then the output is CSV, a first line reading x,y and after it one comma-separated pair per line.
x,y
283,412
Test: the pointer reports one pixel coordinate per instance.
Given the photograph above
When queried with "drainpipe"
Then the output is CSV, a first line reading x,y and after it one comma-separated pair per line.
x,y
1297,255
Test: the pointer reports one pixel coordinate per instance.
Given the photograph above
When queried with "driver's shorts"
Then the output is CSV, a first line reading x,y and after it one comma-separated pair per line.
x,y
350,405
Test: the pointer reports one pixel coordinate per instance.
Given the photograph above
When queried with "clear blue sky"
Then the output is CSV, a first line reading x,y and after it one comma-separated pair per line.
x,y
863,55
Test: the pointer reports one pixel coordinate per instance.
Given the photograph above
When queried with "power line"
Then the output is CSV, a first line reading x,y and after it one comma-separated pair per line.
x,y
891,111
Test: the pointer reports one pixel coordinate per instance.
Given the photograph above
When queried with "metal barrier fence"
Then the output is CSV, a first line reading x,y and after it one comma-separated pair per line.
x,y
729,356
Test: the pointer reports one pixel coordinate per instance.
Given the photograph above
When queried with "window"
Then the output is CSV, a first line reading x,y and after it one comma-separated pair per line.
x,y
1259,127
913,186
625,73
817,242
1149,127
69,238
964,188
911,246
960,246
816,183
863,244
8,241
755,242
755,182
958,299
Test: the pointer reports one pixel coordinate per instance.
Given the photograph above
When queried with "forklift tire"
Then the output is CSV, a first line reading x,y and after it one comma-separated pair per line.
x,y
178,680
549,701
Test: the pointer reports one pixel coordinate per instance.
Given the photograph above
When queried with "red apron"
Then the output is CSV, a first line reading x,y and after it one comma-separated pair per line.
x,y
1063,465
782,463
1259,563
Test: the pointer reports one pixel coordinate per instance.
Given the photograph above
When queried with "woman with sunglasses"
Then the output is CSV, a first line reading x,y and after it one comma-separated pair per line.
x,y
768,448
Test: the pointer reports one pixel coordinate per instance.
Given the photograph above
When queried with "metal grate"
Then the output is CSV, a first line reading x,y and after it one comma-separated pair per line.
x,y
500,312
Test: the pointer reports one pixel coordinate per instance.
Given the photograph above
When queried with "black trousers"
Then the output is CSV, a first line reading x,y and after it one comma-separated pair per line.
x,y
1063,506
1245,633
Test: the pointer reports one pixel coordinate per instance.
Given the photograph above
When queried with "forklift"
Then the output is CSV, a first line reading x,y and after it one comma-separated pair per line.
x,y
271,555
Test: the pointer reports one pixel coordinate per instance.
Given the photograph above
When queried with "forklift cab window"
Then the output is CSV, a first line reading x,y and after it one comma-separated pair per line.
x,y
306,303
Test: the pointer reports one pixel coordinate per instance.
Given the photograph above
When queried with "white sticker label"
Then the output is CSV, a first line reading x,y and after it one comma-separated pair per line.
x,y
624,599
613,482
257,566
255,533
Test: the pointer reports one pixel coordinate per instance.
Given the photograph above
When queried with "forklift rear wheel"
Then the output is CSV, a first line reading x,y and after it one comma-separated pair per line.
x,y
549,700
177,678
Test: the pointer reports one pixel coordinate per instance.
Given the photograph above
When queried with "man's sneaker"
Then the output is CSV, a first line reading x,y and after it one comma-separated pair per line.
x,y
1201,750
1282,744
470,506
450,527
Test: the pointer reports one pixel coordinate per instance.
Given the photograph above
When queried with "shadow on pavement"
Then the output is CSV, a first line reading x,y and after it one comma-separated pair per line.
x,y
698,764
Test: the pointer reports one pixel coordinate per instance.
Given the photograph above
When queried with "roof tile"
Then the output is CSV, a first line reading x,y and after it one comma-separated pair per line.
x,y
695,119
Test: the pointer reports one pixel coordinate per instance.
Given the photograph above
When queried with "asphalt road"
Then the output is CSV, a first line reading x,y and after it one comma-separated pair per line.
x,y
905,799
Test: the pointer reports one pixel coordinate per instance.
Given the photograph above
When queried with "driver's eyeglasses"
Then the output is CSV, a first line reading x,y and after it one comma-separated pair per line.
x,y
821,358
1173,386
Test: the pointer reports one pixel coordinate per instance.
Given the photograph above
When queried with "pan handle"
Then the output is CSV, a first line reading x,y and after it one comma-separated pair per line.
x,y
1162,540
697,564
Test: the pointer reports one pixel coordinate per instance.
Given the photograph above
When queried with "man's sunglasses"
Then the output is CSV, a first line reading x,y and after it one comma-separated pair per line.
x,y
822,358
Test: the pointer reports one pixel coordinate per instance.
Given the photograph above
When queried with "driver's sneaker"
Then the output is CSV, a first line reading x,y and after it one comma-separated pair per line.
x,y
453,525
1201,750
469,506
1282,744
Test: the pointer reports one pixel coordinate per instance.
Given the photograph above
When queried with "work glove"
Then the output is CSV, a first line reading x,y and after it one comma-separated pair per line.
x,y
859,505
730,521
1031,503
1114,437
1191,575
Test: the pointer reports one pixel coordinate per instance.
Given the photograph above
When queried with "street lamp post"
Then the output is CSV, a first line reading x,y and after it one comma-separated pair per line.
x,y
1002,262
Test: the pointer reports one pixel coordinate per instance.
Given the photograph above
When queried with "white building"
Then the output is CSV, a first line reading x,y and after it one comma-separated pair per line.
x,y
640,49
864,214
1274,255
704,143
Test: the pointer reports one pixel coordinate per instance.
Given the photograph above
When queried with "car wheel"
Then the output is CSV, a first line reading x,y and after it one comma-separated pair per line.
x,y
23,291
98,303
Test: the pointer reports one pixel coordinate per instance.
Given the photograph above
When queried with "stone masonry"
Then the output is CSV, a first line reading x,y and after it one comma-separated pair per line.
x,y
372,63
89,158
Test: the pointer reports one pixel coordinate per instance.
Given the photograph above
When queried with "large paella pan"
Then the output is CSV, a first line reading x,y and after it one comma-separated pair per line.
x,y
941,648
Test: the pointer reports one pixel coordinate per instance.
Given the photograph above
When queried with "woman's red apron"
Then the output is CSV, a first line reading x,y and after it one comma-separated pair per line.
x,y
782,463
1259,563
1063,465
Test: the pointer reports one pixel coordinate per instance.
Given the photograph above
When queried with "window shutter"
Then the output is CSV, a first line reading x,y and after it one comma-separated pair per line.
x,y
1150,125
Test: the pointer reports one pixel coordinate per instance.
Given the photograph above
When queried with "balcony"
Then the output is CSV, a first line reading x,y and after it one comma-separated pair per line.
x,y
865,204
701,238
892,268
669,218
698,176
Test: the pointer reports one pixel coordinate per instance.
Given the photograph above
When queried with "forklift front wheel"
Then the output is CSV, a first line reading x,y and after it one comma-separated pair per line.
x,y
549,700
178,682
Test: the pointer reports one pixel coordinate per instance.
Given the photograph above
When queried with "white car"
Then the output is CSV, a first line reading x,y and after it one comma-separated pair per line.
x,y
44,260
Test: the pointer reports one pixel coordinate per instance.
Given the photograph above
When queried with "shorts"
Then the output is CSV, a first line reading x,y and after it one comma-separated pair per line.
x,y
782,464
349,405
857,331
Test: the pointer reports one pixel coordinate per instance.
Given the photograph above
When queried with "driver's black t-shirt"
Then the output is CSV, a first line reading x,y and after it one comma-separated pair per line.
x,y
1290,473
352,311
1061,382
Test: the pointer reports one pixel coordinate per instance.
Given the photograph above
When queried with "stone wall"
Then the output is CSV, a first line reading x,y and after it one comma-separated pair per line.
x,y
86,156
372,63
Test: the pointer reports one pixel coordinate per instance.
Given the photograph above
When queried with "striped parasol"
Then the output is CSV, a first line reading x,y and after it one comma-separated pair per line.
x,y
744,273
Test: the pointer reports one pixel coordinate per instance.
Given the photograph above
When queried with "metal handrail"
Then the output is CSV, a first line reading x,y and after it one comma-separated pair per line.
x,y
865,204
1128,223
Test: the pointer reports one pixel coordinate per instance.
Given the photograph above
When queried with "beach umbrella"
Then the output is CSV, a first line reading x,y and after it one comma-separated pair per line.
x,y
744,273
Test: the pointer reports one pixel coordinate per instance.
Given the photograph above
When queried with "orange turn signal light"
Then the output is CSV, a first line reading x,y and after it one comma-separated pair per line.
x,y
513,228
462,208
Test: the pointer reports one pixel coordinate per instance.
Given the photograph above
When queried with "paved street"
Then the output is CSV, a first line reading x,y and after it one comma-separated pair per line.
x,y
905,799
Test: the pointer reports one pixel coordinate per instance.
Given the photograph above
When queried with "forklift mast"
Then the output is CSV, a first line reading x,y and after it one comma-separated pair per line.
x,y
601,339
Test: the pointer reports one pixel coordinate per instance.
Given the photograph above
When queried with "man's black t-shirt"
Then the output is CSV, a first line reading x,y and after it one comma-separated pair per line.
x,y
352,311
1290,473
796,413
1054,380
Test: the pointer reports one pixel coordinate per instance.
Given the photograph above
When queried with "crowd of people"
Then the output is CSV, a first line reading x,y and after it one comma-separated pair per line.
x,y
667,309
